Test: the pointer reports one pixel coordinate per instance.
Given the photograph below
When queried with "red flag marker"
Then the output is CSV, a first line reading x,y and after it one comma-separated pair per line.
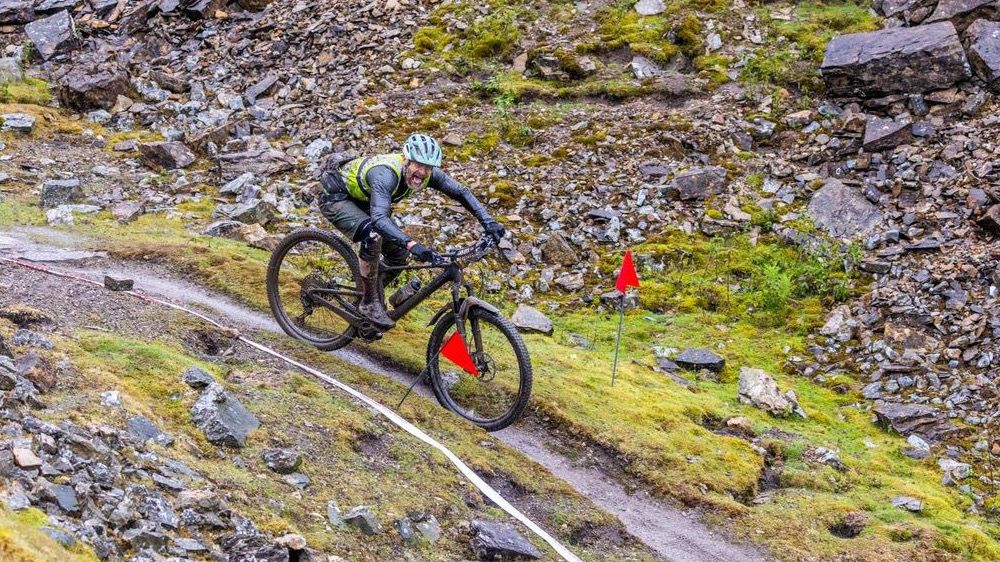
x,y
455,351
627,277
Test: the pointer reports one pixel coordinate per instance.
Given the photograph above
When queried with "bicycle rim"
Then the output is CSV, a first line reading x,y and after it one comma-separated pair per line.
x,y
312,269
495,396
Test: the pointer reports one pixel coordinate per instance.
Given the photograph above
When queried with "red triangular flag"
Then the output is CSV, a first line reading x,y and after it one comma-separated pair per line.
x,y
627,277
455,351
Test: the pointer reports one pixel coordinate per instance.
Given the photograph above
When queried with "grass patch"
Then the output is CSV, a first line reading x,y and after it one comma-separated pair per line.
x,y
764,283
796,47
678,30
22,541
28,91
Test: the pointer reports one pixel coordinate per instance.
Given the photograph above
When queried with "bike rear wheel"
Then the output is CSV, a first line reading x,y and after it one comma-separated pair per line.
x,y
496,397
307,265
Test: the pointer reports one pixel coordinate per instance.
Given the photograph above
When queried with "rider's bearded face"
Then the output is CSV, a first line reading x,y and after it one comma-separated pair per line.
x,y
415,172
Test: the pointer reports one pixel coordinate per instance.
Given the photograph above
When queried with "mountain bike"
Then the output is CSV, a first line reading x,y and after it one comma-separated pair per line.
x,y
313,287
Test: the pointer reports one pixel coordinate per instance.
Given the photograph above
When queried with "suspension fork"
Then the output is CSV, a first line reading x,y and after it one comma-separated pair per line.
x,y
462,307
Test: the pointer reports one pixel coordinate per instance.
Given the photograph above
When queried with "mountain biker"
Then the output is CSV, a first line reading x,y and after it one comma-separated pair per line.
x,y
357,198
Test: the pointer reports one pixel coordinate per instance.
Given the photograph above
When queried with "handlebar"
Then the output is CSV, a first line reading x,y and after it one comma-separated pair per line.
x,y
466,256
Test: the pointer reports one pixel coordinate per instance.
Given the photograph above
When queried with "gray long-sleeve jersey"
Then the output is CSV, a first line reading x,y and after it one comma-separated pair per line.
x,y
384,186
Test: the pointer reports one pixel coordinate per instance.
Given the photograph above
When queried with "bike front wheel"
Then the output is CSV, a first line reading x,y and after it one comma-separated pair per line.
x,y
496,396
310,266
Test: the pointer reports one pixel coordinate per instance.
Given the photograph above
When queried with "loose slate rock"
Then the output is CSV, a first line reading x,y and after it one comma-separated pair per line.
x,y
984,50
843,212
113,284
907,503
363,518
696,359
60,192
225,421
141,429
85,87
282,461
496,541
254,211
896,60
65,497
530,319
758,389
53,35
17,12
650,7
169,154
697,184
18,122
919,419
197,378
881,134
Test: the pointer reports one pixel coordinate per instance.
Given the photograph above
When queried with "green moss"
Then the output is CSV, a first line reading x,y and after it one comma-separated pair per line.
x,y
755,181
767,283
714,68
588,137
792,58
30,91
494,36
506,192
431,39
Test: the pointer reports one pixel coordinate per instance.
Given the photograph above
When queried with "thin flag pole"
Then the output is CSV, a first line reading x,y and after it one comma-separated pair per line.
x,y
420,377
618,340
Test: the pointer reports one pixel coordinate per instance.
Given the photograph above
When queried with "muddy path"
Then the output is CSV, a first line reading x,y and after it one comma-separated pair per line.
x,y
674,534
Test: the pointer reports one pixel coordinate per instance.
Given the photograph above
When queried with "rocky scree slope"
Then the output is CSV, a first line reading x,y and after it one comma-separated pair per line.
x,y
193,446
900,158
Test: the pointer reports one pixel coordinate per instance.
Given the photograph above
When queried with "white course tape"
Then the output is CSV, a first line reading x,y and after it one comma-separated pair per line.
x,y
395,418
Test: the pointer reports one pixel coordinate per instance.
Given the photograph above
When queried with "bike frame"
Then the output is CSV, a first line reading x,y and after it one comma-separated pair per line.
x,y
451,273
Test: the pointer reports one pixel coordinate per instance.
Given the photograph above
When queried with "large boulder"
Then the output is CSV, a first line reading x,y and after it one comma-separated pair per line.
x,y
984,51
842,211
529,319
223,419
758,389
919,419
496,541
53,35
169,154
697,359
254,211
961,12
85,87
895,60
60,192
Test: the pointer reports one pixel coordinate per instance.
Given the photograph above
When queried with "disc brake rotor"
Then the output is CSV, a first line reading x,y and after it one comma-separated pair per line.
x,y
487,367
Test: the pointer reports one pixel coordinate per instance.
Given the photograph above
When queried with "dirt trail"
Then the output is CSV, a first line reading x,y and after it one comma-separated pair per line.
x,y
670,532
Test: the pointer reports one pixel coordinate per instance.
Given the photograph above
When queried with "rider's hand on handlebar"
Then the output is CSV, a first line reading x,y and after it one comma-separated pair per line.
x,y
495,230
425,254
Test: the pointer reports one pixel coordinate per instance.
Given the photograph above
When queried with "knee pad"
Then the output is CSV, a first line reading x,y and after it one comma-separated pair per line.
x,y
368,238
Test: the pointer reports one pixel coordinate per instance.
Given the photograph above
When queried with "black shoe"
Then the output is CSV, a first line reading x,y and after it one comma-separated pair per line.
x,y
375,313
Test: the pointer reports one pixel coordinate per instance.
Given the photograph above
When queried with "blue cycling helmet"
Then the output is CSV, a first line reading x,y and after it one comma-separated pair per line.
x,y
422,148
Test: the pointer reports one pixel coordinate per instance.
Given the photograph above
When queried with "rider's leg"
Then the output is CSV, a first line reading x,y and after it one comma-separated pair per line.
x,y
396,255
372,303
356,223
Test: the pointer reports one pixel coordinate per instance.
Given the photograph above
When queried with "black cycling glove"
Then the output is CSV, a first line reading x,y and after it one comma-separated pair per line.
x,y
495,230
424,254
